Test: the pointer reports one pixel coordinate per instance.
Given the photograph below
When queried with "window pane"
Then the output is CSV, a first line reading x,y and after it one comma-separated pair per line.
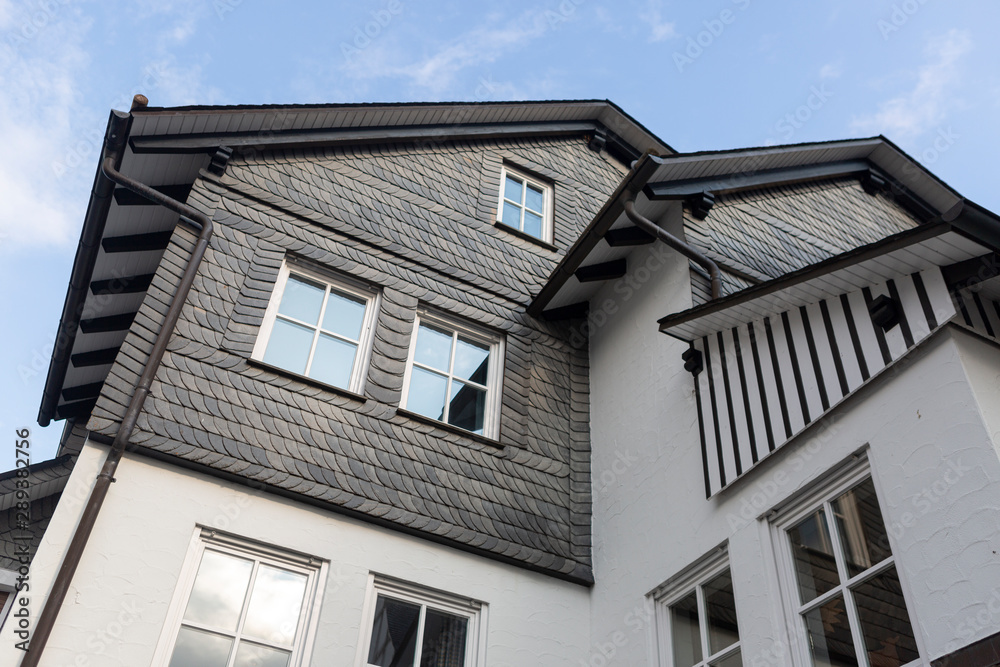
x,y
684,633
333,361
512,189
731,660
196,648
533,199
433,347
720,605
830,635
289,346
426,394
471,361
532,224
511,215
219,590
862,531
444,640
344,314
275,603
884,621
394,633
249,655
302,300
815,564
468,407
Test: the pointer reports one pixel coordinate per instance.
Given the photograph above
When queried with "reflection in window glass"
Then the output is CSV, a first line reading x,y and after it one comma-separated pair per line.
x,y
885,624
394,633
861,529
275,605
720,606
444,639
197,648
830,635
815,565
684,633
219,590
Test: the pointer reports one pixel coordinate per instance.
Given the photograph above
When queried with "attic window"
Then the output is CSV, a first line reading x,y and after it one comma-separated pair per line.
x,y
525,204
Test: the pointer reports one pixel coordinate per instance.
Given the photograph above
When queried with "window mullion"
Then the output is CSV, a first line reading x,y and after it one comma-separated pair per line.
x,y
243,613
852,612
319,324
419,639
702,621
855,622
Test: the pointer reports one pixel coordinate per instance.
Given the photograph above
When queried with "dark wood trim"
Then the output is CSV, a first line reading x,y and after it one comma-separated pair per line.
x,y
715,411
616,268
209,143
82,391
137,242
694,187
75,410
129,285
106,324
971,271
571,312
730,410
95,357
124,197
627,236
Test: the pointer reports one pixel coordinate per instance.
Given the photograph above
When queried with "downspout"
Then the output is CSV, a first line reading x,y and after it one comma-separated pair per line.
x,y
695,255
60,587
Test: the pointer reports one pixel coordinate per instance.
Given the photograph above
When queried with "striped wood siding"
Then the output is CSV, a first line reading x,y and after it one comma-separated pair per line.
x,y
979,313
765,381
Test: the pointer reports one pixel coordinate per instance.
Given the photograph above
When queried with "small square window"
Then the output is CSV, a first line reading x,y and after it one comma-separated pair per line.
x,y
240,604
453,375
525,204
842,582
410,626
696,617
318,328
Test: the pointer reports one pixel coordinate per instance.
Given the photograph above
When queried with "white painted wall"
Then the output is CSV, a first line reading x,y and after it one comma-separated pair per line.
x,y
921,421
127,577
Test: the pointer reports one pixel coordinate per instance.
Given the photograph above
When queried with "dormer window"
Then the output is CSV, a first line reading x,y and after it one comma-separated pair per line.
x,y
525,204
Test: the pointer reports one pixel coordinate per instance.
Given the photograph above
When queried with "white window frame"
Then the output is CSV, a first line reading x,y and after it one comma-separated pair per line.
x,y
494,379
372,302
476,611
820,496
547,205
8,584
692,578
209,539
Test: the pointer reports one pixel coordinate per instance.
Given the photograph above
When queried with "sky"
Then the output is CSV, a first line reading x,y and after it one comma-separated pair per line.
x,y
716,74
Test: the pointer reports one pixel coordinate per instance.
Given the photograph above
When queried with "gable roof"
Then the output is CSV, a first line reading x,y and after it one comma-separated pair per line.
x,y
122,240
697,177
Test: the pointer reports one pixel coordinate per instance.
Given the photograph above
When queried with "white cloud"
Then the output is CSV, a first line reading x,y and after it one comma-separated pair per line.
x,y
660,29
831,71
927,104
438,72
44,180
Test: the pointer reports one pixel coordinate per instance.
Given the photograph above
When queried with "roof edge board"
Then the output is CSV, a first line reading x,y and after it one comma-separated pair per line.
x,y
843,260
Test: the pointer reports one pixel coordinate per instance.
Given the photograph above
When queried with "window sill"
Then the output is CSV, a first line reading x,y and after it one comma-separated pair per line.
x,y
527,237
450,428
278,370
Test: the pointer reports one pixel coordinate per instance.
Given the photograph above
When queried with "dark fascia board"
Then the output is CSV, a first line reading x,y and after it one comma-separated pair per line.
x,y
683,189
125,197
83,265
204,143
375,106
594,233
978,225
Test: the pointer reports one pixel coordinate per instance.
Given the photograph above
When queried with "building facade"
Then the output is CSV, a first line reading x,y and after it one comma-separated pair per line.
x,y
516,384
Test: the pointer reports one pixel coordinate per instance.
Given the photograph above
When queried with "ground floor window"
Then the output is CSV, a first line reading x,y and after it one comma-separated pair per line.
x,y
841,581
696,622
409,626
241,605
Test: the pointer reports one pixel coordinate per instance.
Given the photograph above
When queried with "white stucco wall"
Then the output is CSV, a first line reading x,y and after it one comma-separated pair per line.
x,y
127,578
933,461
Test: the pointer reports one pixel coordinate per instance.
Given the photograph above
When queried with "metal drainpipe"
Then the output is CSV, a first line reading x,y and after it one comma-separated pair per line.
x,y
60,587
650,227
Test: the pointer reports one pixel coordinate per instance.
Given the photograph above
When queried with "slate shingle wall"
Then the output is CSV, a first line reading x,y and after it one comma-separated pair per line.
x,y
769,232
13,538
417,224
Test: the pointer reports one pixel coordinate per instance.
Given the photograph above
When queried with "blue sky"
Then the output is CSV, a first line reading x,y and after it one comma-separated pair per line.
x,y
707,75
